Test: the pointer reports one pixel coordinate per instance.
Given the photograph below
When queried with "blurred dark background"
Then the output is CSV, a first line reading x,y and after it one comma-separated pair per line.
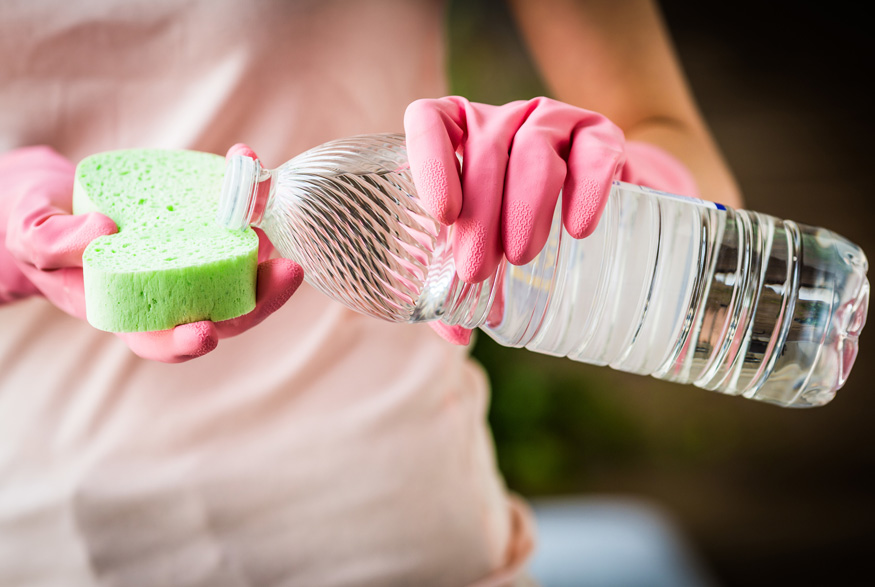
x,y
766,495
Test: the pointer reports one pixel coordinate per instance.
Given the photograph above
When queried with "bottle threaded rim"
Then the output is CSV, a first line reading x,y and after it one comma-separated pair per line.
x,y
238,190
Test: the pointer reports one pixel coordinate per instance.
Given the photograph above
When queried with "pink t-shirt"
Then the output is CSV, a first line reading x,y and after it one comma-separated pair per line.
x,y
321,447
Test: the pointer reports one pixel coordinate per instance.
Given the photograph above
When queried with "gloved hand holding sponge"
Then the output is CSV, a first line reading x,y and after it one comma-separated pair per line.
x,y
517,158
44,244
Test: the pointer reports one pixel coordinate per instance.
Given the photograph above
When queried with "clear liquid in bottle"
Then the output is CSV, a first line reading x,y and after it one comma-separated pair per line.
x,y
681,289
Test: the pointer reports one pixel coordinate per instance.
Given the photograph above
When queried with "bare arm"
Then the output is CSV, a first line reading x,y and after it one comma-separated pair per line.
x,y
615,57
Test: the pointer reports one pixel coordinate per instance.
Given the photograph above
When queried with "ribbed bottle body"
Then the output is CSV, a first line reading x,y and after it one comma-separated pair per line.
x,y
688,291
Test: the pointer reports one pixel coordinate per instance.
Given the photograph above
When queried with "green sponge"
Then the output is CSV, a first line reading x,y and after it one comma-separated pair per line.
x,y
170,263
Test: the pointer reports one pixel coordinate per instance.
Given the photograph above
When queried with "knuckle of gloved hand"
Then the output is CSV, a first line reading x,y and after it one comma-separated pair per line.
x,y
611,133
42,259
545,102
419,108
528,137
422,115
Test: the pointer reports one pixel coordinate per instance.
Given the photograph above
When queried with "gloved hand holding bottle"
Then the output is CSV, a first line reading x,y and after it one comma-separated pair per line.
x,y
664,284
43,250
517,157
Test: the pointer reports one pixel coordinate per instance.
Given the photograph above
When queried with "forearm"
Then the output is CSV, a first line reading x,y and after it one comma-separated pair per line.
x,y
616,58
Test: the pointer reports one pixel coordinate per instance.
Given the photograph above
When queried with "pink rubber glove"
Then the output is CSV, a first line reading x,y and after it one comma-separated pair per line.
x,y
43,250
517,158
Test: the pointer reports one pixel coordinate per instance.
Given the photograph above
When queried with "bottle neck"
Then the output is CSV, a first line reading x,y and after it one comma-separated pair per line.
x,y
245,193
472,305
455,302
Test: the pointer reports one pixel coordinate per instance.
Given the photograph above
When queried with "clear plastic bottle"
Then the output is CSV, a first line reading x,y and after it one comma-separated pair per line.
x,y
678,288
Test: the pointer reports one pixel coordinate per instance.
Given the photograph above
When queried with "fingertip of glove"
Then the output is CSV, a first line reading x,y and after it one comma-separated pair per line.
x,y
98,224
517,233
283,269
452,334
471,251
193,340
82,230
240,149
581,214
278,279
294,275
176,345
433,185
59,240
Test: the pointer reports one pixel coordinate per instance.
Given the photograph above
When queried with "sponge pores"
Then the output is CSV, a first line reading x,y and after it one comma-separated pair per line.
x,y
170,262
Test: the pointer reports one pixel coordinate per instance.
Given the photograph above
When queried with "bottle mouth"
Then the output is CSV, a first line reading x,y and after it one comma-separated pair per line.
x,y
840,352
236,200
853,320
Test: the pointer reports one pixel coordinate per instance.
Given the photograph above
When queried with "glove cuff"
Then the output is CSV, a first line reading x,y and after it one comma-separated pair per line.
x,y
653,167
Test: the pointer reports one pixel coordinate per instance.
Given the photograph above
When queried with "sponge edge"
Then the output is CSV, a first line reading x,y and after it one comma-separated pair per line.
x,y
170,263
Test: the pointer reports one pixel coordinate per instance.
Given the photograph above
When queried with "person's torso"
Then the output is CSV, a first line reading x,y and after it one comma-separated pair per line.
x,y
321,447
281,75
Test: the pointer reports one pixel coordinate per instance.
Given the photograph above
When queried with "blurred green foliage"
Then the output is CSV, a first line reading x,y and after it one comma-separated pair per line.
x,y
552,421
487,61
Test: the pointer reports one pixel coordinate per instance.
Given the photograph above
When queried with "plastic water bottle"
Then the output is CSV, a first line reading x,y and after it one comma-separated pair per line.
x,y
678,288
